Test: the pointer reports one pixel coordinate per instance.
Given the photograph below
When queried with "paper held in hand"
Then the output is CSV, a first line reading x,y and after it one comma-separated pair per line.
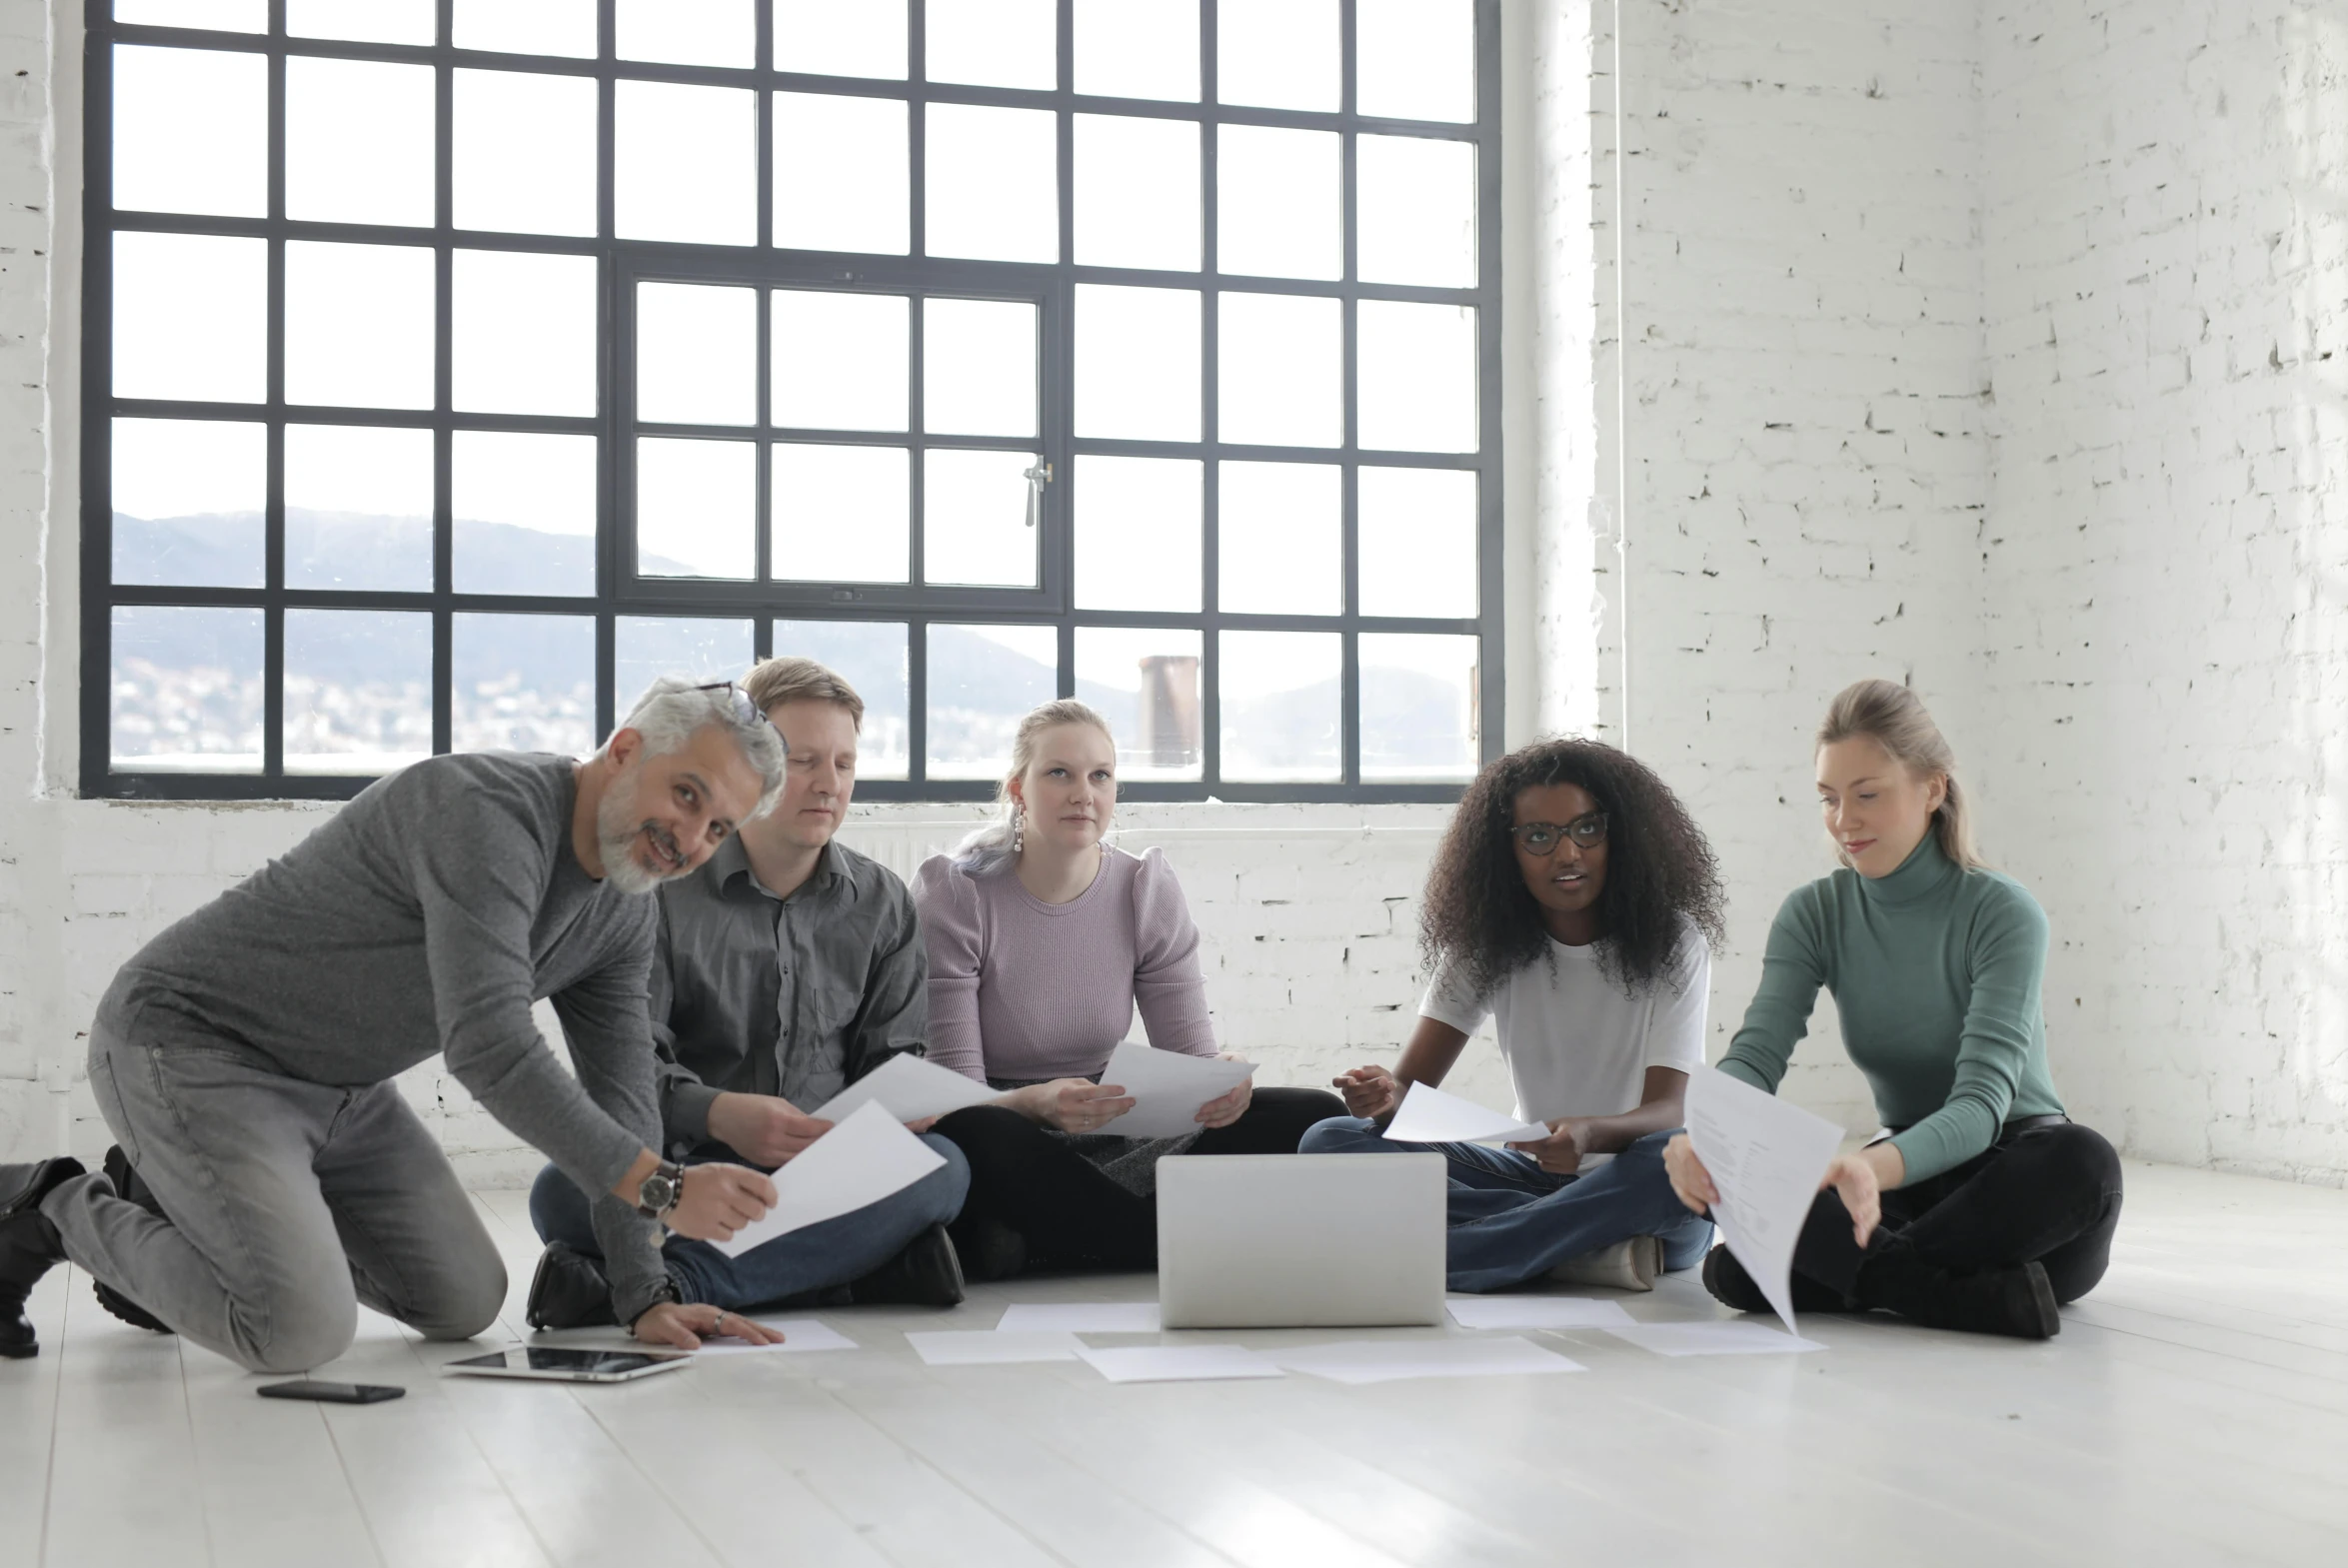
x,y
909,1089
1429,1115
861,1160
1766,1158
1167,1088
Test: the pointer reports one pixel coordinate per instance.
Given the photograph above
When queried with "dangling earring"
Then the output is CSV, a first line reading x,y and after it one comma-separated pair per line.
x,y
1019,829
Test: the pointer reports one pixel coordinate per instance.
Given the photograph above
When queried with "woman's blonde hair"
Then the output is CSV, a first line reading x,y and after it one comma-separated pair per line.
x,y
996,840
1894,718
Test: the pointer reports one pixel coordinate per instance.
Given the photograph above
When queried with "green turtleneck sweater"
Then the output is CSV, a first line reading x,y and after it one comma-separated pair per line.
x,y
1936,973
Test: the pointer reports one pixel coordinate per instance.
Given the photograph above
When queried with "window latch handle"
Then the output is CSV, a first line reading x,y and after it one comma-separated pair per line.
x,y
1036,478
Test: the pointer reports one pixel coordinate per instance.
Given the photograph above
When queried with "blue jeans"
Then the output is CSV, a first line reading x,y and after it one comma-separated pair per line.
x,y
831,1252
1511,1221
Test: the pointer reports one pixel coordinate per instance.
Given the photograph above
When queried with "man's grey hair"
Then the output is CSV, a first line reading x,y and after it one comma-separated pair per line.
x,y
673,710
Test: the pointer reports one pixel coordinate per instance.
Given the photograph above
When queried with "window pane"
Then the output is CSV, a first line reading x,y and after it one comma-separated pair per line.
x,y
975,522
358,508
524,333
186,691
1280,194
358,141
840,360
978,367
983,682
688,32
1136,362
1145,684
826,38
1281,370
1417,213
565,27
993,43
358,690
1137,49
685,164
696,508
841,174
188,496
696,354
191,131
358,325
375,22
190,317
1280,538
524,512
993,183
1137,192
522,683
1419,696
645,647
228,16
842,514
1137,533
1415,59
1416,539
1280,701
1280,54
524,153
1417,377
871,659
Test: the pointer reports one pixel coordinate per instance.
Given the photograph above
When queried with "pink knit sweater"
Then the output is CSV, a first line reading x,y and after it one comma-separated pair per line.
x,y
1024,989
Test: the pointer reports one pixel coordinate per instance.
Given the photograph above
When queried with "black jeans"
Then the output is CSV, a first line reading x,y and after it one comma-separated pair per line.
x,y
2048,1192
1069,1213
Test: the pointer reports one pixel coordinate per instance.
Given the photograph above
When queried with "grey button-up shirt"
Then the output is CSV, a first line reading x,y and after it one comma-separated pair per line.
x,y
797,996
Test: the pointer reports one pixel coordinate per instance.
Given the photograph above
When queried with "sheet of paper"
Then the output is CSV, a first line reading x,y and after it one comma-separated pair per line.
x,y
861,1160
911,1089
1766,1158
1534,1312
981,1347
1390,1360
1177,1363
1429,1115
1167,1088
1080,1317
798,1333
1731,1337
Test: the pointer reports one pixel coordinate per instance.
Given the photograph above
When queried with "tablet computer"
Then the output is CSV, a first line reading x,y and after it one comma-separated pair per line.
x,y
566,1366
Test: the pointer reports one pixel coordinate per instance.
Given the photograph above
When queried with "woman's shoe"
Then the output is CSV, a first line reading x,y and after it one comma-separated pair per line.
x,y
2019,1303
29,1246
1733,1288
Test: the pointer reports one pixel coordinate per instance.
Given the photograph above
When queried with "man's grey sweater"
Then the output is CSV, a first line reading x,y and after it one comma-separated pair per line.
x,y
427,917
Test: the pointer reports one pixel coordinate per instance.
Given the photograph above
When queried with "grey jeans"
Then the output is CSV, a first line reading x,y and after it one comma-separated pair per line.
x,y
288,1203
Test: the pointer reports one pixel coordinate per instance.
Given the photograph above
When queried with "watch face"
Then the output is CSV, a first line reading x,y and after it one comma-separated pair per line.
x,y
659,1190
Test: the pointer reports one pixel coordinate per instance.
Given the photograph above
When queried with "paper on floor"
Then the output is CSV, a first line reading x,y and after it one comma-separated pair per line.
x,y
1429,1115
1390,1360
1534,1312
1766,1158
1080,1317
1177,1363
1167,1088
798,1333
981,1346
911,1089
1733,1337
859,1162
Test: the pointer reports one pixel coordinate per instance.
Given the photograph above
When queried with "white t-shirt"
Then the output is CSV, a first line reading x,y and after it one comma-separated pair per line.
x,y
1575,1042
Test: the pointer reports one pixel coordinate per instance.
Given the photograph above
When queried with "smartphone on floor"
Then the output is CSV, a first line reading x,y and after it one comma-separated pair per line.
x,y
332,1393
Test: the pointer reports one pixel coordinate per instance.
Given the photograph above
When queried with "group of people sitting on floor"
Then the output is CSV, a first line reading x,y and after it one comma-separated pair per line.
x,y
722,964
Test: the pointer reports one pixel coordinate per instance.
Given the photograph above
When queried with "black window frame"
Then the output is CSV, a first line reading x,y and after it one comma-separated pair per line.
x,y
619,591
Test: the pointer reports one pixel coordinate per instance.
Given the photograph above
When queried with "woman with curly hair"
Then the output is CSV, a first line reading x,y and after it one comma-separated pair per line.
x,y
1574,901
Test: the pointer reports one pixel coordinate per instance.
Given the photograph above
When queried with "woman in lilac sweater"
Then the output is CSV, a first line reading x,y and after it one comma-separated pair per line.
x,y
1043,940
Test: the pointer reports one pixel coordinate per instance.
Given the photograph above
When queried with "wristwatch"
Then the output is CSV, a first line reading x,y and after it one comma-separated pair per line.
x,y
656,1194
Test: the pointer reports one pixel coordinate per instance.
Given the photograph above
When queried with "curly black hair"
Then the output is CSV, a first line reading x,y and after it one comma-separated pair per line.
x,y
1481,922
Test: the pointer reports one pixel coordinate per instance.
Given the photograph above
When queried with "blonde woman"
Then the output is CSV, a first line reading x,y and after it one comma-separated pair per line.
x,y
1985,1206
1042,941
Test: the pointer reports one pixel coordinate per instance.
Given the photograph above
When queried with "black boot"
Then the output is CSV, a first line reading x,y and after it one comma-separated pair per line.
x,y
117,1169
569,1290
2015,1301
926,1273
29,1246
989,1249
1733,1288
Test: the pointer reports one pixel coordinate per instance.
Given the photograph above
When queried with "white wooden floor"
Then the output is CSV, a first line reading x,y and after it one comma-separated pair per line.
x,y
2194,1411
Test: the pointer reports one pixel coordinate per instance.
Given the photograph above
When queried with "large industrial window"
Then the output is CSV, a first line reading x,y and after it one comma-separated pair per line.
x,y
456,366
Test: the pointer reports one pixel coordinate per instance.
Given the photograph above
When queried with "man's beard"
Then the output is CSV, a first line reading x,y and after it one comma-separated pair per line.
x,y
615,833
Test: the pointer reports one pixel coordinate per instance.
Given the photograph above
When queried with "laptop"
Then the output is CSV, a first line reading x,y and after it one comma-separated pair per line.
x,y
1300,1241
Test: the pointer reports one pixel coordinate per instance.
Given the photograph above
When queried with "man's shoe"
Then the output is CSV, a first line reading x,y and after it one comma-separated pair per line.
x,y
127,1185
926,1273
1626,1265
29,1246
569,1292
2019,1303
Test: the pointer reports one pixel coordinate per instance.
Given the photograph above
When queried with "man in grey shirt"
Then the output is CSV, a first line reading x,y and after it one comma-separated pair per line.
x,y
786,967
244,1057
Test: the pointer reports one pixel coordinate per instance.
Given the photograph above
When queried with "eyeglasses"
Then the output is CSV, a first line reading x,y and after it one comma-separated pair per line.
x,y
1542,839
745,711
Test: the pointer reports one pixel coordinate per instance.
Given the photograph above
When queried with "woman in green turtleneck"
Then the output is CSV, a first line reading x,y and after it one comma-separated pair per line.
x,y
1986,1206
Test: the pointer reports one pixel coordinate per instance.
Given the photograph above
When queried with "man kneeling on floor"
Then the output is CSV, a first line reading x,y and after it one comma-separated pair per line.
x,y
788,967
269,1176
